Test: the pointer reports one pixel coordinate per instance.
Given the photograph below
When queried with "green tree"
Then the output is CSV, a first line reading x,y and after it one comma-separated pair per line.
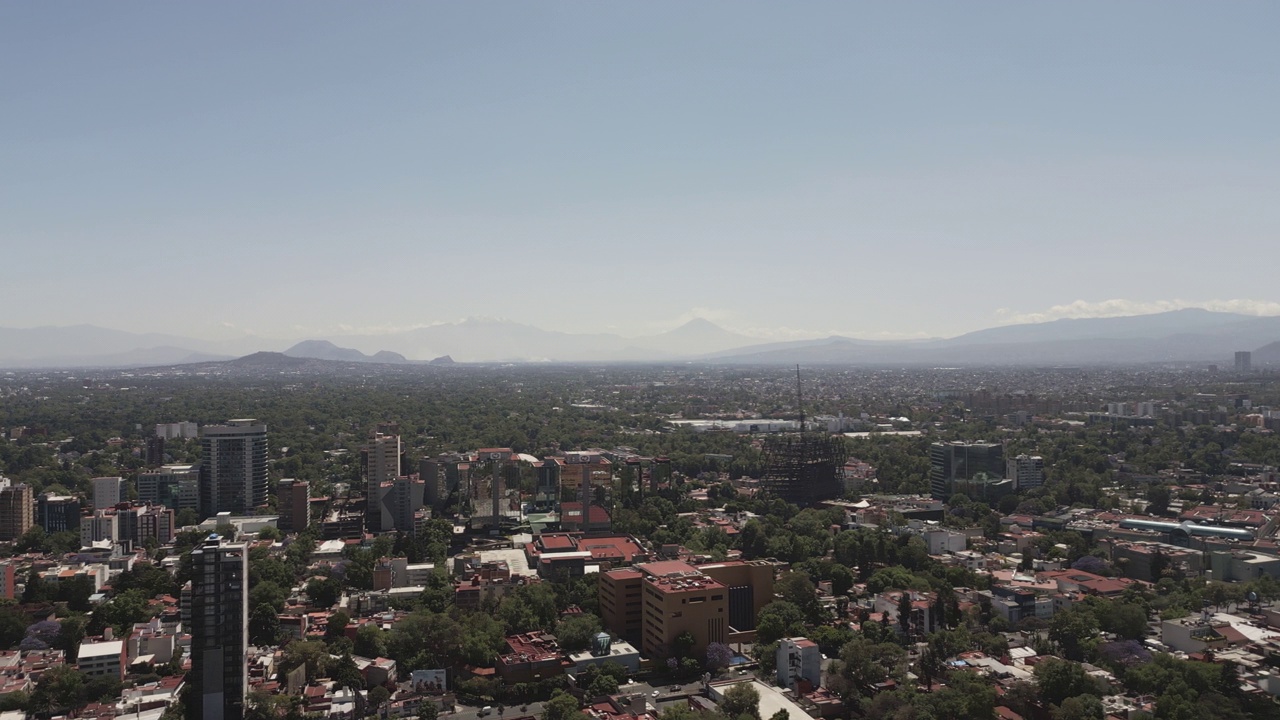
x,y
777,620
1080,707
741,699
562,706
576,633
1062,679
59,688
1072,630
378,697
264,625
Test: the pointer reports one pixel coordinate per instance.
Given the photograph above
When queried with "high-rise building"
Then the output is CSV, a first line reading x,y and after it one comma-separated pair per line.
x,y
155,451
174,486
395,503
966,463
108,492
380,458
1026,471
1244,361
219,624
101,525
443,475
233,468
140,522
58,513
293,501
17,509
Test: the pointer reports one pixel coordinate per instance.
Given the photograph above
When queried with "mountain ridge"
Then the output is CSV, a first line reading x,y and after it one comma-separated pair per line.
x,y
1191,335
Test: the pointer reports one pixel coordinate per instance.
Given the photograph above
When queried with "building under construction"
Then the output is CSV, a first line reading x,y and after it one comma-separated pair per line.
x,y
803,469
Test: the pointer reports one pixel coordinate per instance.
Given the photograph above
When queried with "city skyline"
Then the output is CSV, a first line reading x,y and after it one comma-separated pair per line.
x,y
298,171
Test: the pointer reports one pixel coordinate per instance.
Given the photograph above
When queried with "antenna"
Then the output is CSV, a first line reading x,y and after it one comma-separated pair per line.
x,y
800,398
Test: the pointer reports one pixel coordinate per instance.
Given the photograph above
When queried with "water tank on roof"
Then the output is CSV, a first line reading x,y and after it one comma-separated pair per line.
x,y
601,644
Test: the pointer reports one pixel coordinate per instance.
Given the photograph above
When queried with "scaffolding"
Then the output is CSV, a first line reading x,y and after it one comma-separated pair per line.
x,y
803,469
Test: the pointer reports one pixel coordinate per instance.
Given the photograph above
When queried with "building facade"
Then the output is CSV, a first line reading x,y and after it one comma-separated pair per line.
x,y
17,509
1026,471
108,492
959,463
233,468
293,501
219,614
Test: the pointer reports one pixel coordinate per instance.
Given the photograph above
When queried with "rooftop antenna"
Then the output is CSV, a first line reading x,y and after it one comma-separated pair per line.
x,y
800,398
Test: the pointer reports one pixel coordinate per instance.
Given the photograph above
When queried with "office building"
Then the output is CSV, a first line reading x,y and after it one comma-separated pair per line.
x,y
1026,471
651,604
1244,361
174,486
233,468
17,509
442,476
293,501
968,465
108,492
58,513
394,504
219,626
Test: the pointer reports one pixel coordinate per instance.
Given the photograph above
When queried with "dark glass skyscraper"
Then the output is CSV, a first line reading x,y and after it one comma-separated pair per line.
x,y
219,603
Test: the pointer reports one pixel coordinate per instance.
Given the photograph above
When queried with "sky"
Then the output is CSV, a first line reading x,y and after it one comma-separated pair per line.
x,y
880,170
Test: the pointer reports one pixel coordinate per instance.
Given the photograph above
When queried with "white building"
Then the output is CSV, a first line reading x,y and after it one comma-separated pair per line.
x,y
102,525
173,431
1026,471
108,492
101,659
799,659
942,541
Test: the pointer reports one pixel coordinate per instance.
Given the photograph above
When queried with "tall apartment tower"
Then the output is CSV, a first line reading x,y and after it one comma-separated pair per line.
x,y
17,509
380,457
233,468
293,501
219,602
1244,361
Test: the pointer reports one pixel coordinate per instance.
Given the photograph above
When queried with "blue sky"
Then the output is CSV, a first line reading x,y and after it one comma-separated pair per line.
x,y
877,169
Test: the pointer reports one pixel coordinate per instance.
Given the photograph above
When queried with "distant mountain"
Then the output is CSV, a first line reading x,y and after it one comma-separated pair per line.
x,y
1267,355
92,346
1178,336
325,350
269,359
696,337
486,340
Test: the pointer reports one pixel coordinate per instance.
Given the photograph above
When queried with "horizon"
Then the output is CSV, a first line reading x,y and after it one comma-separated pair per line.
x,y
297,171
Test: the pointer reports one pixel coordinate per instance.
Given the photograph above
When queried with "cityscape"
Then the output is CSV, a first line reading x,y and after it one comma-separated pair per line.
x,y
651,542
639,361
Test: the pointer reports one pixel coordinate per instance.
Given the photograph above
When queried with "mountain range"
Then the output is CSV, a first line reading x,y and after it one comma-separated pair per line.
x,y
1190,335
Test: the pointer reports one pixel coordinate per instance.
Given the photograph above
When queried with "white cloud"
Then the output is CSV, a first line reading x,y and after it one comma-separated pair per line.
x,y
1119,307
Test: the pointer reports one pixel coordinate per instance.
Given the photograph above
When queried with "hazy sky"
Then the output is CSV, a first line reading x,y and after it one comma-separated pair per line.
x,y
878,169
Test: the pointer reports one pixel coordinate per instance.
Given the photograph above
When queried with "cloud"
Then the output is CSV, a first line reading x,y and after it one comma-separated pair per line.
x,y
1120,308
